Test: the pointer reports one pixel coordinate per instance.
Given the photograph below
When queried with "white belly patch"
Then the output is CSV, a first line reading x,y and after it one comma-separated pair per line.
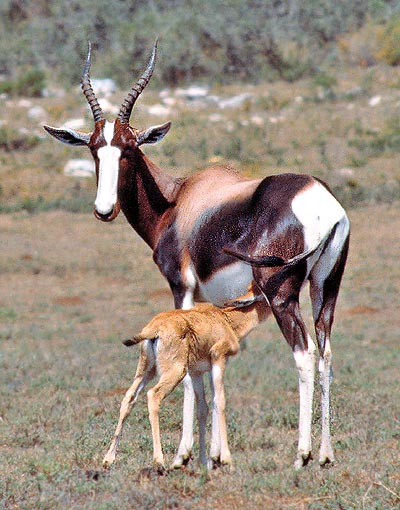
x,y
228,283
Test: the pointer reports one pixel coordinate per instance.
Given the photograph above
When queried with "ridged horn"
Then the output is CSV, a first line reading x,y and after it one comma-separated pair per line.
x,y
87,88
128,103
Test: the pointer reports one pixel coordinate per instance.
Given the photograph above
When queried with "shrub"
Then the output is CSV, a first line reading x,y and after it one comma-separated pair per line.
x,y
11,139
29,82
389,42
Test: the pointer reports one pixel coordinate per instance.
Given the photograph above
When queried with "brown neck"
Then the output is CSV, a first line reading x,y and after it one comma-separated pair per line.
x,y
145,194
246,318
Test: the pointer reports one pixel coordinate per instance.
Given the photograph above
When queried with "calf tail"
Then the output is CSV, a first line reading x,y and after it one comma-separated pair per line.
x,y
134,340
147,333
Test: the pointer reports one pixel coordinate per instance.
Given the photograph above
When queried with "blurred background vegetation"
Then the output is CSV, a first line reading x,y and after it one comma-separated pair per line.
x,y
223,42
317,84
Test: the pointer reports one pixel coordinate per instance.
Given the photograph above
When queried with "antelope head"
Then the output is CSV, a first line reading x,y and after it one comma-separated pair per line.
x,y
112,144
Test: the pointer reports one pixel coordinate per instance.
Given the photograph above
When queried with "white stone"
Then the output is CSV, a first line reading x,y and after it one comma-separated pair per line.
x,y
79,168
375,100
75,123
235,101
104,87
192,92
158,110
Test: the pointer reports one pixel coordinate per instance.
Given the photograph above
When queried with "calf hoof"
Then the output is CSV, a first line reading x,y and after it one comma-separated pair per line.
x,y
303,458
218,462
181,461
159,469
108,460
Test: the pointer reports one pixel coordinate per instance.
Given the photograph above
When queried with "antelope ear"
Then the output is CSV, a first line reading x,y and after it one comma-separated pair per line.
x,y
153,134
69,136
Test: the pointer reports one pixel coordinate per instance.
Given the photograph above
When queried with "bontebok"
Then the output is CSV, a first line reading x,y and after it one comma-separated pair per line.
x,y
215,232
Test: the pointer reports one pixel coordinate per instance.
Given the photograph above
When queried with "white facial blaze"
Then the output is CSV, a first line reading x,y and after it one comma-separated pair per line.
x,y
107,188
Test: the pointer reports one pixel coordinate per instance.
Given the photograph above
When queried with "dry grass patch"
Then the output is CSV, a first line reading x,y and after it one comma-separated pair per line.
x,y
74,288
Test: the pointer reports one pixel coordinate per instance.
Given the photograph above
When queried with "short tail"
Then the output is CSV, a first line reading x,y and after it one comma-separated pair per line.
x,y
149,332
136,340
133,341
270,260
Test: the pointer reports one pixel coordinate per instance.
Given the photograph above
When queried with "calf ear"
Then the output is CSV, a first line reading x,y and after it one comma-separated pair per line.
x,y
153,134
69,136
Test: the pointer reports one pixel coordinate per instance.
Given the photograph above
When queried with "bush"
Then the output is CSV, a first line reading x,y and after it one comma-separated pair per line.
x,y
389,43
12,140
229,41
29,82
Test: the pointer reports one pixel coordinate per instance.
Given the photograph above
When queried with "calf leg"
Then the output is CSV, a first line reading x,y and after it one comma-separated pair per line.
x,y
144,373
215,447
218,369
183,298
168,381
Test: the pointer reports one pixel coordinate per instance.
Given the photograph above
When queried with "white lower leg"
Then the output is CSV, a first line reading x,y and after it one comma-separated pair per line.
x,y
305,362
325,365
185,446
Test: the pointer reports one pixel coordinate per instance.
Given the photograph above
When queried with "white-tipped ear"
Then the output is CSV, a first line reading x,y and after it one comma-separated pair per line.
x,y
153,134
69,136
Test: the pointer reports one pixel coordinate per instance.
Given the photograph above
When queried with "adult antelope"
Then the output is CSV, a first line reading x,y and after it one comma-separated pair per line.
x,y
214,232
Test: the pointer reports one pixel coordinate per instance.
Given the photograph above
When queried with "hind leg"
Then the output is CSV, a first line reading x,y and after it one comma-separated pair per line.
x,y
282,289
168,381
144,373
325,281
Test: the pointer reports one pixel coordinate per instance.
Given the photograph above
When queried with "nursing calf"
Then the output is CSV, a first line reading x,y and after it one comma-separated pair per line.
x,y
181,342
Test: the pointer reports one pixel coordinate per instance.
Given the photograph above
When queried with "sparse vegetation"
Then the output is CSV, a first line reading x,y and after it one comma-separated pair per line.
x,y
79,288
323,98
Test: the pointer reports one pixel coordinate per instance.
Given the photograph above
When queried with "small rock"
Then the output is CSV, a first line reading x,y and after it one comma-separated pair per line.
x,y
104,87
374,101
79,168
235,101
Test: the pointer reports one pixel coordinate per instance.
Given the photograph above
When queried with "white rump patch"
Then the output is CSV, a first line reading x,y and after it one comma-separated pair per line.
x,y
318,211
107,188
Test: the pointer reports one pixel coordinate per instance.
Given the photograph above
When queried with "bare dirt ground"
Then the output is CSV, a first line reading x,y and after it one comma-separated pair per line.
x,y
71,289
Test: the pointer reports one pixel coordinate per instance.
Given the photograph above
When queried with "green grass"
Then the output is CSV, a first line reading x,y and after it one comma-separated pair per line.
x,y
63,371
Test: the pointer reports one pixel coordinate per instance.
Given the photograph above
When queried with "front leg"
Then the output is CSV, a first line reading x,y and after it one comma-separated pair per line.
x,y
224,455
183,298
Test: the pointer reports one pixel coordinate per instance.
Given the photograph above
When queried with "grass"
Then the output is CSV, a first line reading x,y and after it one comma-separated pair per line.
x,y
64,370
73,288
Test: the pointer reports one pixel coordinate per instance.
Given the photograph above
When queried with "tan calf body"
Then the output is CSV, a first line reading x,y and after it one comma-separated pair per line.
x,y
181,342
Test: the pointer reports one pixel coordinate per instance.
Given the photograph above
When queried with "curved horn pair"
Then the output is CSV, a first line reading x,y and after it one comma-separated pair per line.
x,y
128,103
